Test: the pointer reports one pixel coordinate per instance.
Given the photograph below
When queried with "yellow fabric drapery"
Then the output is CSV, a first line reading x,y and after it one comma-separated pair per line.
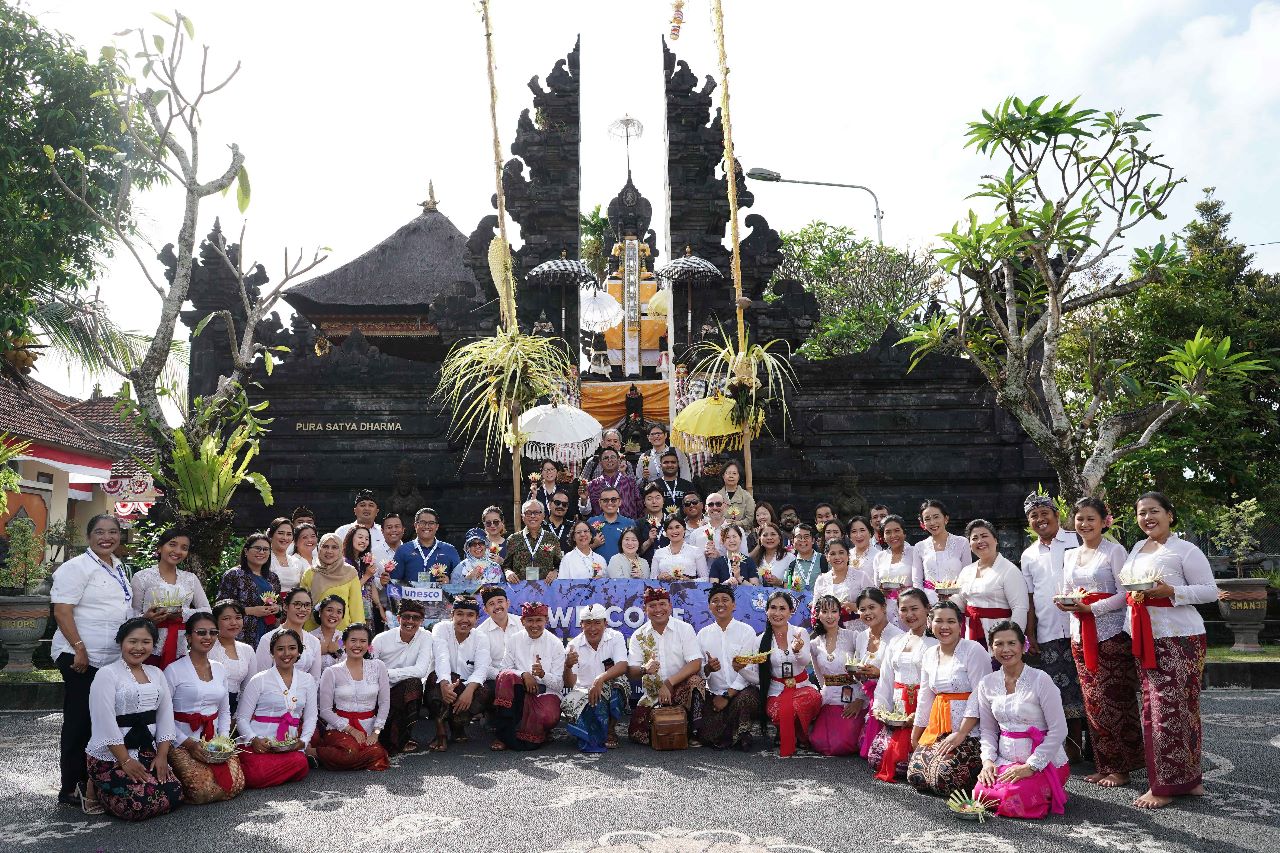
x,y
650,329
607,401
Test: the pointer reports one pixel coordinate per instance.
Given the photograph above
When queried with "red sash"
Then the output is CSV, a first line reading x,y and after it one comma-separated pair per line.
x,y
169,653
354,718
1144,642
899,747
787,714
1089,630
977,614
198,722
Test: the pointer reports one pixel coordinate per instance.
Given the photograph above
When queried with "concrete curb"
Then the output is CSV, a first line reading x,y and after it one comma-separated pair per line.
x,y
36,696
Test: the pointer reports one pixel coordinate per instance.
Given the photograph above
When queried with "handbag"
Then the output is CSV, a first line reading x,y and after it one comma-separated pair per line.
x,y
669,728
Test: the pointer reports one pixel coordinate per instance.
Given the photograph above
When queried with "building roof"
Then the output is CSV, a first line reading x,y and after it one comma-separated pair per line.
x,y
35,414
100,413
57,398
424,259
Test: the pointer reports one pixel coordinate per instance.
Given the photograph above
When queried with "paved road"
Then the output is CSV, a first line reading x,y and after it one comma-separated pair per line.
x,y
634,800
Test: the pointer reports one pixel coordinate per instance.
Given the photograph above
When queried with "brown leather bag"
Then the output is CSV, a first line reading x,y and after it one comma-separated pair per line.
x,y
669,728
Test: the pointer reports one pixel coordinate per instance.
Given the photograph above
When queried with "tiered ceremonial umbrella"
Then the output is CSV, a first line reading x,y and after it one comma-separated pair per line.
x,y
559,431
690,270
707,425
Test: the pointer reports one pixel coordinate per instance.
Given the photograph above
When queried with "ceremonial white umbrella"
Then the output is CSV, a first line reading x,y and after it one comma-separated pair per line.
x,y
599,311
559,431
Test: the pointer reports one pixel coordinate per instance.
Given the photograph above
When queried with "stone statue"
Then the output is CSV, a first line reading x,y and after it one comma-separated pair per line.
x,y
404,497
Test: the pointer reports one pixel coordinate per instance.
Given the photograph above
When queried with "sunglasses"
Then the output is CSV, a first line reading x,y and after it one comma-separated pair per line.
x,y
610,500
493,522
205,632
691,503
713,505
560,503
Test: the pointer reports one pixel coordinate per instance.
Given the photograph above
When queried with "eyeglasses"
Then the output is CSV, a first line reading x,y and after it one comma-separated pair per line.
x,y
493,522
261,549
560,503
205,632
532,512
426,524
714,504
610,500
306,604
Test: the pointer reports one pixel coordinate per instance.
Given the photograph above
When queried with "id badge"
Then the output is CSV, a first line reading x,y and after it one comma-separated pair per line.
x,y
786,669
424,577
846,694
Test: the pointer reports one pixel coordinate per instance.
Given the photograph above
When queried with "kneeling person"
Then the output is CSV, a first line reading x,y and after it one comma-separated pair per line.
x,y
407,652
595,671
456,693
664,654
735,702
527,694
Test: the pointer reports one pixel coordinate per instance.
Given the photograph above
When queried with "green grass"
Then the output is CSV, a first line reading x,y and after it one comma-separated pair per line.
x,y
36,676
1222,654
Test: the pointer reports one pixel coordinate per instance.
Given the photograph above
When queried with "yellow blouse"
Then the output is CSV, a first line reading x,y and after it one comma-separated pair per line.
x,y
348,592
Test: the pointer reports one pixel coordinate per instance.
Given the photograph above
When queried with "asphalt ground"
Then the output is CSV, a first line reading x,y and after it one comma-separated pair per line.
x,y
636,800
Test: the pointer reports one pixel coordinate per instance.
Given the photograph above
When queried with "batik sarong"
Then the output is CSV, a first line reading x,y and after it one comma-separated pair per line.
x,y
522,721
438,709
1056,660
590,724
130,800
1171,715
931,772
1111,705
406,708
689,694
732,724
206,783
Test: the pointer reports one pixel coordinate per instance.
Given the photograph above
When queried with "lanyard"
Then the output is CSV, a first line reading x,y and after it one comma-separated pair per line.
x,y
524,534
426,566
116,575
670,490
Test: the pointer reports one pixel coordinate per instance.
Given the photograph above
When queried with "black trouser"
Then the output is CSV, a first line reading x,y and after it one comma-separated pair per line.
x,y
75,722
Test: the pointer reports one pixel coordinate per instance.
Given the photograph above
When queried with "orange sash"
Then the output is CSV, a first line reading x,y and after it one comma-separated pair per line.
x,y
940,716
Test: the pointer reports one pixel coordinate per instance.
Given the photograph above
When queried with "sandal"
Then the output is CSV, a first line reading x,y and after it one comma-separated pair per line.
x,y
440,744
497,746
611,742
411,747
91,806
70,798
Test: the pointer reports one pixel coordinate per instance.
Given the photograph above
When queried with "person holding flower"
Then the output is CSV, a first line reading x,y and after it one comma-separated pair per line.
x,y
582,563
733,567
254,586
1169,642
678,559
843,582
276,718
899,684
479,565
611,477
809,563
610,523
357,550
733,700
168,596
664,655
495,530
533,553
771,558
545,482
1023,728
334,576
628,563
837,727
331,613
868,653
297,610
739,505
650,527
202,712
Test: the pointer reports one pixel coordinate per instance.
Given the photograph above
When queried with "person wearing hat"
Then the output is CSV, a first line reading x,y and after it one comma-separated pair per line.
x,y
527,692
477,566
498,629
667,650
595,672
456,692
366,513
1048,627
728,718
407,652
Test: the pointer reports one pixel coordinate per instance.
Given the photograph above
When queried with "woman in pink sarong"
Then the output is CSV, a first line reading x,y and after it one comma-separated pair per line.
x,y
869,648
1024,767
835,732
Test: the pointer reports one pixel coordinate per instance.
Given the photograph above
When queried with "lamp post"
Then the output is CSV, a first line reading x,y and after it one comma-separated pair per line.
x,y
774,177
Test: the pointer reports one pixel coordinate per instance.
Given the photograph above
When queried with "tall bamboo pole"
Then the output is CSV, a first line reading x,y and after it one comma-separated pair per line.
x,y
744,370
506,287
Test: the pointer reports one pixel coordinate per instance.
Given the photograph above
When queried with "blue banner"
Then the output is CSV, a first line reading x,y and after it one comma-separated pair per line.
x,y
624,601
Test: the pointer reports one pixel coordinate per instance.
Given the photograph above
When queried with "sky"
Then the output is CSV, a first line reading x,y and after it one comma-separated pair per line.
x,y
346,111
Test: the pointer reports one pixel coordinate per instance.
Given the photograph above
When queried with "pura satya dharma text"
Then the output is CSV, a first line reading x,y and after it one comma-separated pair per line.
x,y
347,426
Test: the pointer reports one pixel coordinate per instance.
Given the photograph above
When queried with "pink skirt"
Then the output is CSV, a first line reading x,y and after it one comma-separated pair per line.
x,y
1031,798
833,733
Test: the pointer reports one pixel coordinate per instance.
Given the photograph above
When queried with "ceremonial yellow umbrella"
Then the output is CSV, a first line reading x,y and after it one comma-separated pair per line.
x,y
707,425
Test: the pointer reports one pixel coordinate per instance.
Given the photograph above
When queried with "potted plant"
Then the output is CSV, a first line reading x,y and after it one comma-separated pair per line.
x,y
1242,600
23,616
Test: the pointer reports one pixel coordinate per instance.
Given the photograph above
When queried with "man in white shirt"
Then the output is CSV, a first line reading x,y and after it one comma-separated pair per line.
x,y
456,693
407,652
595,672
497,629
728,718
527,693
712,543
1048,628
366,512
664,655
650,465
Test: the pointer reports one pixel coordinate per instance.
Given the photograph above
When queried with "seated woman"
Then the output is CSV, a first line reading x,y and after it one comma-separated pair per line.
x,y
354,699
947,755
297,611
628,563
733,567
201,711
678,558
331,576
131,715
835,732
1023,728
582,563
277,716
772,557
792,704
239,660
899,683
330,613
869,649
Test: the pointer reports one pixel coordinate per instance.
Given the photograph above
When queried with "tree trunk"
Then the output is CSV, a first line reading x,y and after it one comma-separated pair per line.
x,y
517,450
746,456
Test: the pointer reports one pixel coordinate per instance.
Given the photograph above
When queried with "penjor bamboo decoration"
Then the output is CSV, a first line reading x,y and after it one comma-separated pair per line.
x,y
489,382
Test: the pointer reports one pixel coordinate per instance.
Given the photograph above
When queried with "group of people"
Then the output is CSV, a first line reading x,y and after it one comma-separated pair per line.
x,y
940,662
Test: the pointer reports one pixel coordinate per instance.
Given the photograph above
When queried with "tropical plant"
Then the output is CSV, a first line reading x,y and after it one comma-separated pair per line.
x,y
1077,182
1233,530
10,450
593,243
753,378
861,287
59,538
24,566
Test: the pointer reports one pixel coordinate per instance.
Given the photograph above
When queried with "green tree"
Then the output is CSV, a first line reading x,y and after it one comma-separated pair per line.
x,y
50,245
1074,183
593,243
861,287
1205,457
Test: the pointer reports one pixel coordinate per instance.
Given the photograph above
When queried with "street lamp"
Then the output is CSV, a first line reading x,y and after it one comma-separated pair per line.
x,y
772,176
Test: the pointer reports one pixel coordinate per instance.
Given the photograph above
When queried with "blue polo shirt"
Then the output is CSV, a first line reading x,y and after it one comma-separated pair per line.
x,y
409,563
612,531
